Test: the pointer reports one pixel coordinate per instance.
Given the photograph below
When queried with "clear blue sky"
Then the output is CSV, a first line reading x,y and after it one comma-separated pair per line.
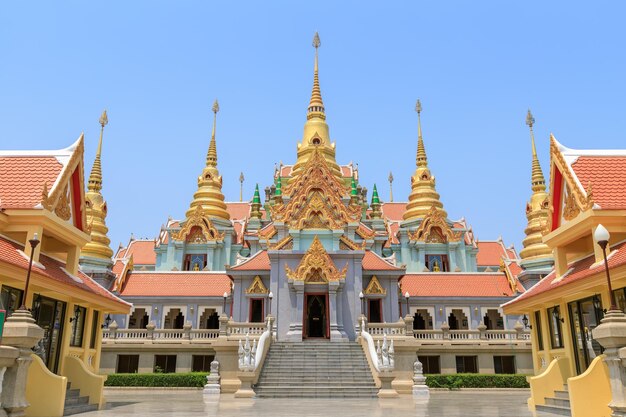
x,y
157,66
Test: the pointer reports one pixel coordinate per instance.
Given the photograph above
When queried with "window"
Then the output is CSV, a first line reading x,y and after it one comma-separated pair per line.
x,y
466,364
165,364
620,298
437,263
11,299
556,331
256,310
431,364
127,364
201,363
95,328
504,364
194,262
374,310
538,331
78,326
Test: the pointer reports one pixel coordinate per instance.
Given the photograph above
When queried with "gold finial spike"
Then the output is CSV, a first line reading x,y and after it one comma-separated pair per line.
x,y
421,159
538,181
316,105
390,187
241,180
211,156
104,120
95,178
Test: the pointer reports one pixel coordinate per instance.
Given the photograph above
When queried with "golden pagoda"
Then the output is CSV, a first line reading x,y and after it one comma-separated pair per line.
x,y
96,208
423,194
537,209
316,133
209,194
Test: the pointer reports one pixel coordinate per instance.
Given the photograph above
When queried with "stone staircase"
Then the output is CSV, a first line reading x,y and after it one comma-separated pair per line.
x,y
316,369
75,404
555,406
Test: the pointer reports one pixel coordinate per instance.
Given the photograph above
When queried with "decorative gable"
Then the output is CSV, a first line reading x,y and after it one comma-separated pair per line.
x,y
198,229
257,287
374,287
316,266
435,229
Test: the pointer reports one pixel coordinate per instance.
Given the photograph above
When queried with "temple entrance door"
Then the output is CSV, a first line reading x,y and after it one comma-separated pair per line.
x,y
316,316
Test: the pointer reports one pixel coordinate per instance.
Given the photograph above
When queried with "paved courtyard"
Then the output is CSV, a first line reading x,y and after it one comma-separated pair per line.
x,y
185,403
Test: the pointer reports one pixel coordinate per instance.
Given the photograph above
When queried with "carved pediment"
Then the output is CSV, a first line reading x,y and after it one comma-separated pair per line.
x,y
435,229
374,287
257,287
316,266
198,229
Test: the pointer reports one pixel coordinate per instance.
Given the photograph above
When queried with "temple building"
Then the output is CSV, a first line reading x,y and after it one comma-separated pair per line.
x,y
316,253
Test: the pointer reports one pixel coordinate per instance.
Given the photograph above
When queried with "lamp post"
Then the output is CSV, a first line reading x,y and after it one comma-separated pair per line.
x,y
224,304
33,244
270,296
406,297
362,298
602,236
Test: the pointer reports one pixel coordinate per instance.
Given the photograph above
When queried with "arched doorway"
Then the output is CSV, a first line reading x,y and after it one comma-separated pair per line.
x,y
316,316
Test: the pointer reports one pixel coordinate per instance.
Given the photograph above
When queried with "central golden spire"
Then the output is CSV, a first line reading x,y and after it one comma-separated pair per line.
x,y
423,195
96,207
209,194
316,135
537,211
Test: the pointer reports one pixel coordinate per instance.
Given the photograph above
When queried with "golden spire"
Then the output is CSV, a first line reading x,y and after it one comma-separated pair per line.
x,y
96,208
423,195
537,208
316,133
209,194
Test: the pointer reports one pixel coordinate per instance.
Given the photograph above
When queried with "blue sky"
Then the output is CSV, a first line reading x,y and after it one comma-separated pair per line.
x,y
157,66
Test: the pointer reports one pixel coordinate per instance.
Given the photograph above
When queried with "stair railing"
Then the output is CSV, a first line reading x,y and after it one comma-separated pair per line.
x,y
371,347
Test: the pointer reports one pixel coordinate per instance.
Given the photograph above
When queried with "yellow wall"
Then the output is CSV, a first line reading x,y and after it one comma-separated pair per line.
x,y
45,391
590,392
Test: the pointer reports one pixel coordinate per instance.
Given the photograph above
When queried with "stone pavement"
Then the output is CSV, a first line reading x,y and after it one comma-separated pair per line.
x,y
187,403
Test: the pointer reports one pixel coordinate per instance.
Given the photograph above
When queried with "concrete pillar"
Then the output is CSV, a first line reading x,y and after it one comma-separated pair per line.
x,y
335,334
611,334
295,327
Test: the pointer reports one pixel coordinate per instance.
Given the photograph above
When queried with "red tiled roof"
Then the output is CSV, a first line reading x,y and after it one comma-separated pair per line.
x,y
393,211
142,252
578,270
392,229
456,285
515,268
258,261
118,267
373,262
53,270
511,253
490,253
607,176
238,210
22,179
176,284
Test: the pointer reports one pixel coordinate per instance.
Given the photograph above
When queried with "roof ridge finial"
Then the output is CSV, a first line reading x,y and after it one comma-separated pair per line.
x,y
316,105
421,159
538,181
211,157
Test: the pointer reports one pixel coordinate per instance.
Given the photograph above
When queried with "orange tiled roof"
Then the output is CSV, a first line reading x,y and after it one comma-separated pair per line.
x,y
373,262
578,270
607,176
393,211
176,284
22,179
54,270
142,252
490,253
435,284
260,261
238,210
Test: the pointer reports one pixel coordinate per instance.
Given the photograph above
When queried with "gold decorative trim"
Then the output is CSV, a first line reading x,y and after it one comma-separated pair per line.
x,y
207,233
435,229
365,233
63,209
316,266
374,287
257,287
284,243
570,208
268,234
345,243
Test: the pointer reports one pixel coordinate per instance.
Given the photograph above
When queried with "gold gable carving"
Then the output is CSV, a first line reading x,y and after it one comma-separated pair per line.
x,y
257,287
435,229
345,243
374,287
570,208
285,243
198,229
63,209
316,266
267,234
316,201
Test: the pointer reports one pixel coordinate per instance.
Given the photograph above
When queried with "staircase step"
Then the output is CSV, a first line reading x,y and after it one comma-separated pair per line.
x,y
76,401
559,402
553,409
77,409
561,394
